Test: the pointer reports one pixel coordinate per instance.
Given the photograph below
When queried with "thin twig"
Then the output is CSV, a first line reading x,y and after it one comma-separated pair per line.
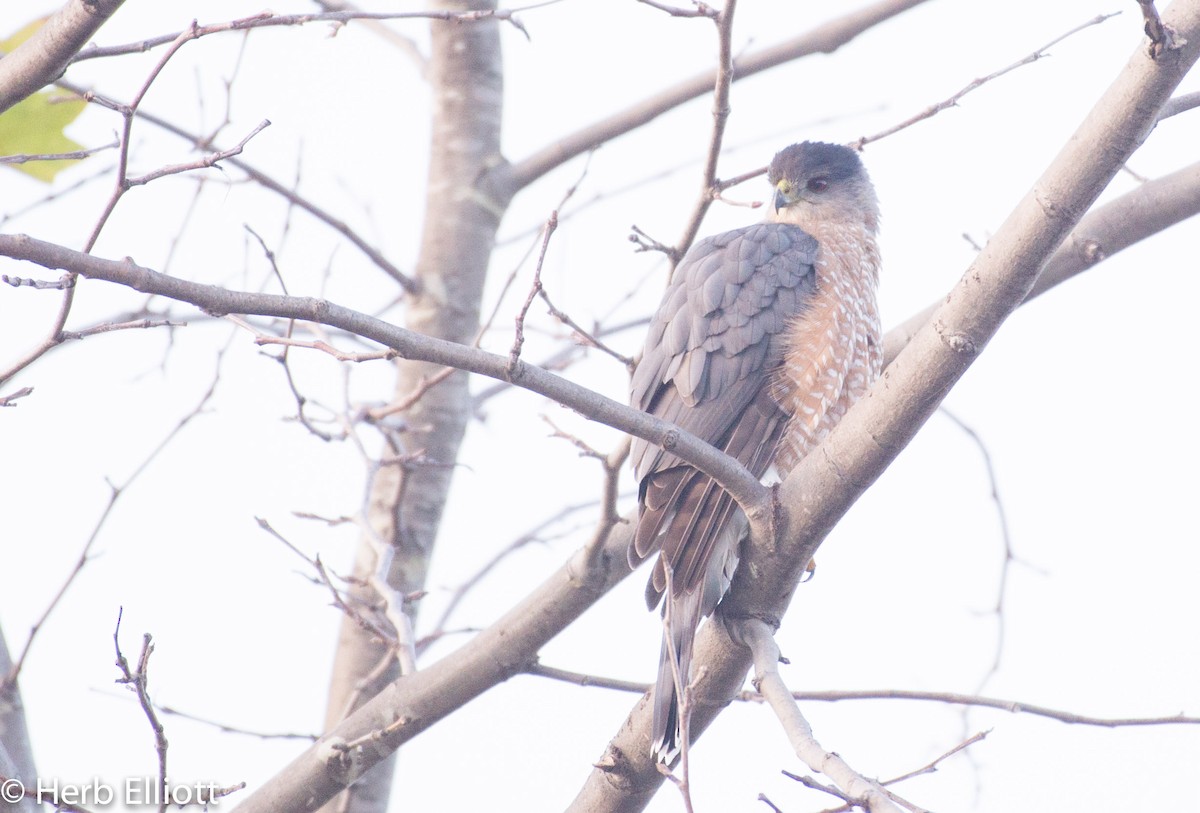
x,y
77,155
514,353
109,327
1013,706
588,337
610,517
825,38
289,194
225,728
932,766
1005,538
138,681
424,385
262,339
534,534
61,284
580,679
323,578
700,10
267,19
928,768
10,399
203,162
709,186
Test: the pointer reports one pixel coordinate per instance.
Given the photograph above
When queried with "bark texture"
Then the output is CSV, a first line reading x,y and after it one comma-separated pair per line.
x,y
408,491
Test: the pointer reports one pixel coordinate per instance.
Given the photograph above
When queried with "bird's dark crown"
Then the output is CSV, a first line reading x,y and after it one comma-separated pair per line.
x,y
812,159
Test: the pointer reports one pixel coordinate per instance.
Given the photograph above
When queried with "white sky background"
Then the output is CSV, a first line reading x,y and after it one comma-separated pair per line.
x,y
1086,401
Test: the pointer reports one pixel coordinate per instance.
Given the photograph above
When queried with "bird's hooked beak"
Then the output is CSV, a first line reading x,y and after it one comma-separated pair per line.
x,y
782,194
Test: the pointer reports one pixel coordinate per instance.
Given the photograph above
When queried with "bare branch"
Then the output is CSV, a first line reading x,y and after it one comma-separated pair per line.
x,y
110,327
225,728
580,679
322,576
262,179
61,284
856,787
11,399
953,100
137,681
932,766
267,19
1180,104
1005,538
514,354
709,187
1014,706
734,477
76,155
700,10
534,534
825,38
203,162
843,695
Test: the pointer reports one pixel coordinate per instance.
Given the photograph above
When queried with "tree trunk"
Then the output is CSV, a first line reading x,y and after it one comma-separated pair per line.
x,y
408,494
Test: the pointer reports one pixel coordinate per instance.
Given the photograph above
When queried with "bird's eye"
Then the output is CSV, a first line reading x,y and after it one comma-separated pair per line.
x,y
817,184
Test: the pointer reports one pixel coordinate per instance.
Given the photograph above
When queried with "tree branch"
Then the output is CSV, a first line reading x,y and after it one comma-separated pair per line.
x,y
262,179
408,344
758,637
825,38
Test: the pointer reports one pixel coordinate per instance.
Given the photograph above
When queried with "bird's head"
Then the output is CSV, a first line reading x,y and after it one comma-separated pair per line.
x,y
818,181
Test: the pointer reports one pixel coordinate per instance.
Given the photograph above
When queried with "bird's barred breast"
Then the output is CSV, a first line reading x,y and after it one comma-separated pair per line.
x,y
833,348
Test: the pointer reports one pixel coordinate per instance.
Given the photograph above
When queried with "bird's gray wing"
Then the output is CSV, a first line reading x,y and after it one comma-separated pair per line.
x,y
710,352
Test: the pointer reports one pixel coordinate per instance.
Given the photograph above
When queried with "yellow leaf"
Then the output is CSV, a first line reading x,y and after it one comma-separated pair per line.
x,y
34,126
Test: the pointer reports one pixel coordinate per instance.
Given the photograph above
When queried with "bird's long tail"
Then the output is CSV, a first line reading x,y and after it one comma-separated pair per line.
x,y
683,615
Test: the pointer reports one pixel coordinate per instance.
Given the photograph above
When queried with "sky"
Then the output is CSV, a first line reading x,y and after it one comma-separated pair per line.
x,y
1084,404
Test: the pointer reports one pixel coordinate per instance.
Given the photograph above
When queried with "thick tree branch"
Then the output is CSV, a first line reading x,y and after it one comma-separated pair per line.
x,y
42,58
409,706
408,344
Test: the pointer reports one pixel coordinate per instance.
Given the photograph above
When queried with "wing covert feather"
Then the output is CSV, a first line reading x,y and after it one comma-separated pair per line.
x,y
716,338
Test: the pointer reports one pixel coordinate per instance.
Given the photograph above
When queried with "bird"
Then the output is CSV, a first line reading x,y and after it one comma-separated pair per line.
x,y
764,338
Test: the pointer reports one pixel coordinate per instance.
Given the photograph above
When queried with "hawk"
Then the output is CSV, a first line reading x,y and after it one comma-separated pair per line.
x,y
764,338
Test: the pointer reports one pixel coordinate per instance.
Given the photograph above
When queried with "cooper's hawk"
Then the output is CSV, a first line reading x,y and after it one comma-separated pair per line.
x,y
764,338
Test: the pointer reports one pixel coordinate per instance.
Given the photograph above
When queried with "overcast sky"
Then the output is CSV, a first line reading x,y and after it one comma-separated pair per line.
x,y
1085,402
